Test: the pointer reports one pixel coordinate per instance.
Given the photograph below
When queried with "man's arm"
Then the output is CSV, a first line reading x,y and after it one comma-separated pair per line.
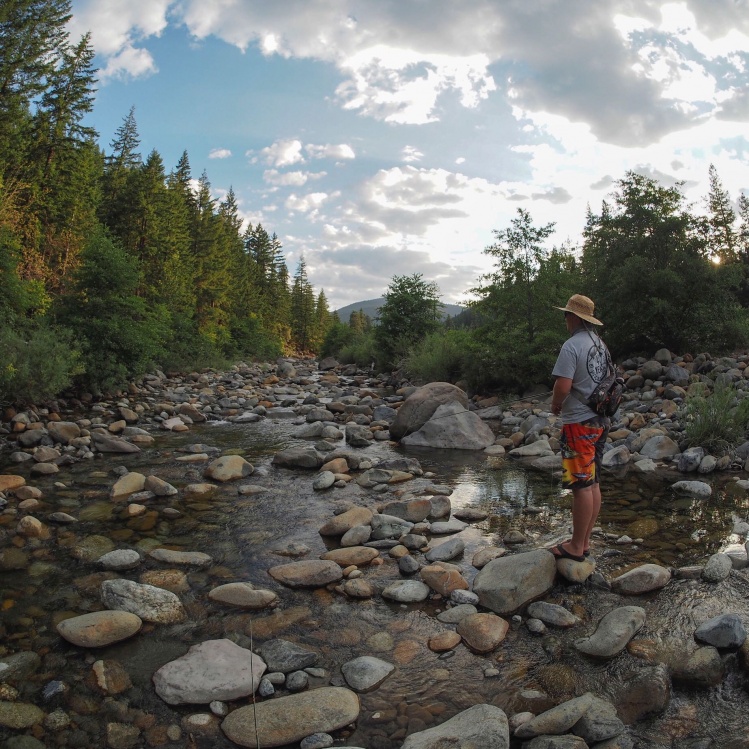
x,y
562,387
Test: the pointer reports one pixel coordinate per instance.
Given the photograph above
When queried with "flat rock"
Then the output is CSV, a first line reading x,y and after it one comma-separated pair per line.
x,y
366,673
211,670
642,579
109,444
613,633
441,528
357,555
339,524
243,596
692,489
312,573
99,628
450,549
478,727
120,559
406,591
189,558
288,720
150,603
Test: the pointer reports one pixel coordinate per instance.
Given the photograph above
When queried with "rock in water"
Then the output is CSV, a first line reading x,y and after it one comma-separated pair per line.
x,y
99,628
288,720
479,727
211,670
452,427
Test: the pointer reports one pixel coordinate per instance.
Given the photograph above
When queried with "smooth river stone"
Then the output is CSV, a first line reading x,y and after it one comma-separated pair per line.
x,y
211,670
243,596
9,481
406,591
358,555
288,720
557,720
339,524
613,633
478,727
194,558
642,579
99,628
229,468
366,672
19,715
482,633
307,573
146,601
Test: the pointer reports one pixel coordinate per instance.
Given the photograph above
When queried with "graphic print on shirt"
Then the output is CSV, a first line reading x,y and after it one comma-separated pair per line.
x,y
597,363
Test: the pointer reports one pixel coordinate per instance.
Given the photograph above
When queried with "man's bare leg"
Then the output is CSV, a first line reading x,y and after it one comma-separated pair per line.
x,y
586,504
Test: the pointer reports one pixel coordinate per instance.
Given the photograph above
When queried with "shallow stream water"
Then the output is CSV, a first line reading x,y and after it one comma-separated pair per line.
x,y
244,535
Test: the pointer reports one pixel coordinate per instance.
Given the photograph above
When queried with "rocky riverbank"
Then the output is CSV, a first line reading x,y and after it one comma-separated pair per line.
x,y
392,538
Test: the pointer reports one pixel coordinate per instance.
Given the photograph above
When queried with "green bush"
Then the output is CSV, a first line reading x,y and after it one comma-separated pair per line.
x,y
362,351
718,421
37,363
339,336
440,357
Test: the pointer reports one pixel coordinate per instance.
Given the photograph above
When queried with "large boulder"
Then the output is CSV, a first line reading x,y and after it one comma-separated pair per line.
x,y
452,426
507,583
419,407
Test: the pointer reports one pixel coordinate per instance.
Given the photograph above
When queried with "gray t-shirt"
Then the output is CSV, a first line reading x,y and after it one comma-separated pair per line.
x,y
583,360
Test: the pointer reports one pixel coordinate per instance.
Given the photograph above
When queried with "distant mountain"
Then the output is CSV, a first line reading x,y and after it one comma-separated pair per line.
x,y
370,307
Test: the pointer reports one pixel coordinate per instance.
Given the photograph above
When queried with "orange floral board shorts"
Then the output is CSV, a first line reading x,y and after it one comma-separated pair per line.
x,y
582,450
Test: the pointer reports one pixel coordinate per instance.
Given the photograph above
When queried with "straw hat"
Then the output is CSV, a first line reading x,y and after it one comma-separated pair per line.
x,y
581,306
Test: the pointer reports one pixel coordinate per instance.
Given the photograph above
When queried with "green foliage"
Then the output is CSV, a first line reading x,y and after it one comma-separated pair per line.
x,y
410,312
362,351
648,269
518,333
442,356
718,421
121,335
38,363
338,337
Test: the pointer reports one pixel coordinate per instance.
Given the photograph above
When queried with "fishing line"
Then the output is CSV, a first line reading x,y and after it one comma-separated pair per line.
x,y
252,681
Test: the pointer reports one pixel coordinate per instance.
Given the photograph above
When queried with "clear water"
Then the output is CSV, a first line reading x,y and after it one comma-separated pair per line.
x,y
244,534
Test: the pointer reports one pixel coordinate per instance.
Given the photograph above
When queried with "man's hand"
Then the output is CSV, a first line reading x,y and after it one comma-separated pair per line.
x,y
562,387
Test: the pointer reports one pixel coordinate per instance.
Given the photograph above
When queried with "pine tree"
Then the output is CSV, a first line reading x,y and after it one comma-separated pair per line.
x,y
33,34
302,309
721,226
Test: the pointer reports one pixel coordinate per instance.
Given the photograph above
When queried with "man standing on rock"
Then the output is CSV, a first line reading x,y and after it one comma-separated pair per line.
x,y
582,364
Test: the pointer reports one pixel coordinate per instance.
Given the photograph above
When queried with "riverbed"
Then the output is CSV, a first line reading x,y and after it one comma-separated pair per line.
x,y
246,535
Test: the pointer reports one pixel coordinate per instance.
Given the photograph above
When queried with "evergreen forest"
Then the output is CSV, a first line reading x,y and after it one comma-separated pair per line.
x,y
113,264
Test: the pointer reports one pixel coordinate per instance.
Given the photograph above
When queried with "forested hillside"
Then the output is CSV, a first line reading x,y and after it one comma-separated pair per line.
x,y
110,262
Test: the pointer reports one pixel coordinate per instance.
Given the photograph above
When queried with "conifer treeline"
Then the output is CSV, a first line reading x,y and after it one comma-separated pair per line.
x,y
192,286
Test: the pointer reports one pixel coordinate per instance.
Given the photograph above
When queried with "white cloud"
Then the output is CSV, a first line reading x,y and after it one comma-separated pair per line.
x,y
283,153
411,154
309,204
328,151
295,179
219,153
116,27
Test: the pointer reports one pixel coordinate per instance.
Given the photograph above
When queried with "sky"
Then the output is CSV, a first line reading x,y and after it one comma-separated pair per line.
x,y
390,137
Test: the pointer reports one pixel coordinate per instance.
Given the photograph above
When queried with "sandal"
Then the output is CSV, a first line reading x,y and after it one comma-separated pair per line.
x,y
561,553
